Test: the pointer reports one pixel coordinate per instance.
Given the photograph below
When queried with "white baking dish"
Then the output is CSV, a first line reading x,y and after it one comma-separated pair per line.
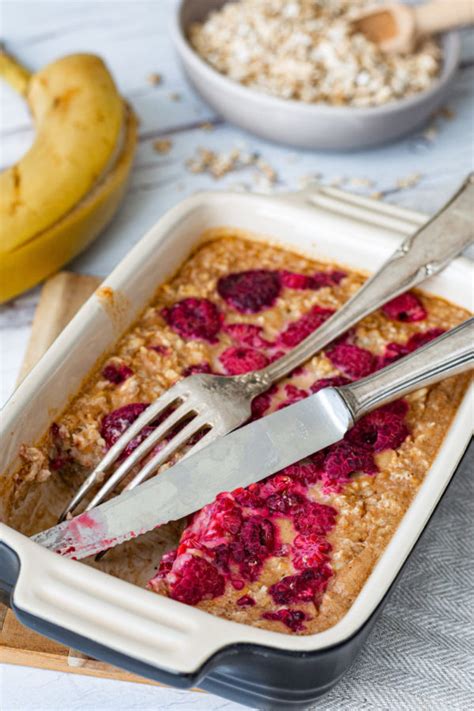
x,y
156,631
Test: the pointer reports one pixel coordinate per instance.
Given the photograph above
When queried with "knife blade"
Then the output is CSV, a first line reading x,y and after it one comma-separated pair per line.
x,y
242,457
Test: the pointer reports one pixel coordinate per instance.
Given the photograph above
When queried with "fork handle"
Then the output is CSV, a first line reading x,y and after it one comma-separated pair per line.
x,y
448,355
420,256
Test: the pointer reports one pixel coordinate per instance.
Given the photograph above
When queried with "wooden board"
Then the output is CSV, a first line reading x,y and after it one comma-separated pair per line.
x,y
61,297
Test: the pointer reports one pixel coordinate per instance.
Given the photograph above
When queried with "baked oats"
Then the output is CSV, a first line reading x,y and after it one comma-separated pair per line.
x,y
292,552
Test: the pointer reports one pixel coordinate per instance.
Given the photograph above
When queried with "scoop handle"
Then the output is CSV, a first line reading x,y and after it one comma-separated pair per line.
x,y
448,355
434,17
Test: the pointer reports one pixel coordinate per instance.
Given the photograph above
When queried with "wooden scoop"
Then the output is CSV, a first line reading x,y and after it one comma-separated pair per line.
x,y
397,28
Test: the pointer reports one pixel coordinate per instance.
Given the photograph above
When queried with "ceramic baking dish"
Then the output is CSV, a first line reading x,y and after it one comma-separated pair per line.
x,y
152,635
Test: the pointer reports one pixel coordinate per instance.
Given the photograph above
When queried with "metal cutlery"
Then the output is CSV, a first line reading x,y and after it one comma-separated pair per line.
x,y
213,405
258,449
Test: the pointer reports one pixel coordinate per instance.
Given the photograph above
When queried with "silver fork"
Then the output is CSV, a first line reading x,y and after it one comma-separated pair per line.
x,y
215,405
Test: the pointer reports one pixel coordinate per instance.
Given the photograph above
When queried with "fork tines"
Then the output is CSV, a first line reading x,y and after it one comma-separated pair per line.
x,y
177,418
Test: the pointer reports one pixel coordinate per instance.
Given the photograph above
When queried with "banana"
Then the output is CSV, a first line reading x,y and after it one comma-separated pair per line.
x,y
68,186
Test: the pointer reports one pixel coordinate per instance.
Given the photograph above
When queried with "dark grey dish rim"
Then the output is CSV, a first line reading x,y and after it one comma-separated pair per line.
x,y
208,676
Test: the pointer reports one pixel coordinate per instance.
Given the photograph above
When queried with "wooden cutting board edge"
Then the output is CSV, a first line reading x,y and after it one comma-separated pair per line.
x,y
61,297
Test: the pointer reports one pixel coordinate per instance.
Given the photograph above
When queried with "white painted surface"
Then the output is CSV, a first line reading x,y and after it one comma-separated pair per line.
x,y
133,38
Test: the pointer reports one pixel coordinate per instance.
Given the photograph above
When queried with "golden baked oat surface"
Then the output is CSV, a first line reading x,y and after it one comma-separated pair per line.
x,y
292,552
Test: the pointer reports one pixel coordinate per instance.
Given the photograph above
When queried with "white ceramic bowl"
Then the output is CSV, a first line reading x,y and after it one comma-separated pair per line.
x,y
301,124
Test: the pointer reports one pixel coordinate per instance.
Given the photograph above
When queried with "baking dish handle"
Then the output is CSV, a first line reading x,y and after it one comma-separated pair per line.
x,y
114,621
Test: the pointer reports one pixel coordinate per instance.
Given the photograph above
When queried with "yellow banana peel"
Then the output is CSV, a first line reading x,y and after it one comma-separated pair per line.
x,y
67,187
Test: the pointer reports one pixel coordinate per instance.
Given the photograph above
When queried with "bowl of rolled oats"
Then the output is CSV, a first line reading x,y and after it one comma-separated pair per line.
x,y
295,71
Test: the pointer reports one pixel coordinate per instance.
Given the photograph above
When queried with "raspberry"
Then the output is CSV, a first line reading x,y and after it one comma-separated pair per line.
x,y
315,518
307,586
343,459
218,522
162,350
381,429
222,557
262,402
57,463
254,543
116,422
292,280
294,394
246,334
231,521
276,355
320,279
394,351
310,551
197,369
196,580
307,472
251,291
166,564
284,502
55,431
297,331
275,484
133,444
196,319
335,382
406,307
257,535
353,361
242,359
421,339
245,601
117,373
397,407
293,619
249,497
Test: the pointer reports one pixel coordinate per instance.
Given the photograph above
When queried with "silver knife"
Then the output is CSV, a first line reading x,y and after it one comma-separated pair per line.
x,y
257,450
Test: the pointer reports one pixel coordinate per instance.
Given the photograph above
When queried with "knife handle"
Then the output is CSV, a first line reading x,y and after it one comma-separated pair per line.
x,y
420,256
450,354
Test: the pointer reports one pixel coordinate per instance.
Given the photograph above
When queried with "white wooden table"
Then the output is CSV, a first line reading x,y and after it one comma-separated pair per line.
x,y
133,38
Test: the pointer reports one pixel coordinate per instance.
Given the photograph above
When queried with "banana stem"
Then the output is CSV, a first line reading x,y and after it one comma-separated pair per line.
x,y
14,73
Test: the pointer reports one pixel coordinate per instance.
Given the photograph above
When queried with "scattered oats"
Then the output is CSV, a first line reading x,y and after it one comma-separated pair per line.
x,y
207,126
361,182
306,181
266,170
409,181
162,145
307,50
240,187
376,196
174,96
263,183
154,79
220,164
430,133
447,113
338,180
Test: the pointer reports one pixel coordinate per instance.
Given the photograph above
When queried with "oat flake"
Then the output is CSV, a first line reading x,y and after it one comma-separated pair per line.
x,y
307,50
